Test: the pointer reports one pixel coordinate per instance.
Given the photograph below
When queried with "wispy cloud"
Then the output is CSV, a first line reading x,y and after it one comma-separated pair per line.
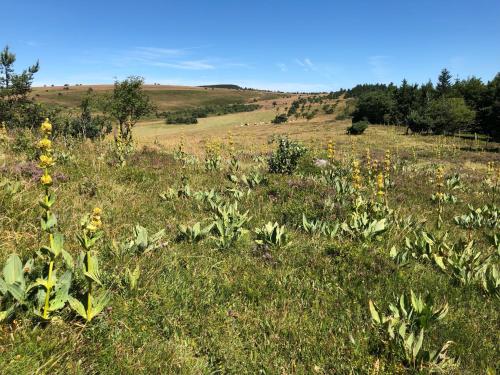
x,y
173,58
379,67
186,64
282,67
306,64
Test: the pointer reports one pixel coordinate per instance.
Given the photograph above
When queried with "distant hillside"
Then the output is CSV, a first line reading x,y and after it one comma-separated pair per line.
x,y
166,98
232,87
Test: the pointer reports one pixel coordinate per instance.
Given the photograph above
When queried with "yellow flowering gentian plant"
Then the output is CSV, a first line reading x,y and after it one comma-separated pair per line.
x,y
53,293
91,232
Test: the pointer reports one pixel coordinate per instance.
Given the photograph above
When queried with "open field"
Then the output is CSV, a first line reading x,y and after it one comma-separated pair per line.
x,y
252,131
301,308
164,97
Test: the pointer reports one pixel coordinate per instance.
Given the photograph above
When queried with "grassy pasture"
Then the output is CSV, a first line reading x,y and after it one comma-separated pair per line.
x,y
300,309
165,97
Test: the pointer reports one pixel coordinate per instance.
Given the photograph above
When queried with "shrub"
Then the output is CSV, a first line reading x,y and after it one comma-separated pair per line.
x,y
286,157
279,119
357,128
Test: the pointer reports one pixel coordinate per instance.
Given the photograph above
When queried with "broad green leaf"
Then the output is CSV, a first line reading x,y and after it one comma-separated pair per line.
x,y
439,261
418,344
68,259
13,271
57,244
98,304
17,291
77,306
61,292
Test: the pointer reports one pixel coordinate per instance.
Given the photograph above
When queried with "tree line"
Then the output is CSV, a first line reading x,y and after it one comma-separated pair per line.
x,y
447,107
191,115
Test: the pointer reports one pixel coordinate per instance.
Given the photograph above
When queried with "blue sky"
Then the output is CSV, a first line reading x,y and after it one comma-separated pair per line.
x,y
289,45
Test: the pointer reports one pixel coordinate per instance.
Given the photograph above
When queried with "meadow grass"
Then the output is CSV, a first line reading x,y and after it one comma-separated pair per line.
x,y
298,309
166,98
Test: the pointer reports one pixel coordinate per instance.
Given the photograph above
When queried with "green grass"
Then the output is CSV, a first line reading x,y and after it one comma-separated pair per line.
x,y
164,97
301,309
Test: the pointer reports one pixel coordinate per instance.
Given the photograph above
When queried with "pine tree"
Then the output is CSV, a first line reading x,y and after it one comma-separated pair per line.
x,y
444,86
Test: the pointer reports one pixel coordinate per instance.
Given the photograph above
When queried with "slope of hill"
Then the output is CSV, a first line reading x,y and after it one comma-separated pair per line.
x,y
224,86
165,97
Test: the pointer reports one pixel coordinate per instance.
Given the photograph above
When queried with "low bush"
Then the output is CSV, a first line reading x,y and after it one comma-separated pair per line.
x,y
357,128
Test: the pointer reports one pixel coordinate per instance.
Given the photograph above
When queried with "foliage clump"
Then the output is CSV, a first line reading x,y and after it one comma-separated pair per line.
x,y
286,157
357,128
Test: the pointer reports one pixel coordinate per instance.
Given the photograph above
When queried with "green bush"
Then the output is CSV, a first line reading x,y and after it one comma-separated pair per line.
x,y
357,128
279,119
286,157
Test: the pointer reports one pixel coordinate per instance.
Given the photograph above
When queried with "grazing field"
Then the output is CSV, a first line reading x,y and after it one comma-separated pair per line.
x,y
164,97
236,297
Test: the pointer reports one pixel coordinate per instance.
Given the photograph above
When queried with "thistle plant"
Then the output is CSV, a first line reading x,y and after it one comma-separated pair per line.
x,y
90,233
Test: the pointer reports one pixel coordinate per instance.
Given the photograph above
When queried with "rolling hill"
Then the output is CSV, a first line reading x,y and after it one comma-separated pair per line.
x,y
164,96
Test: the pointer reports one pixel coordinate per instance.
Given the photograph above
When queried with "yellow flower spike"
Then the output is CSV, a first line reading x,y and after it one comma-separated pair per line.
x,y
331,150
46,180
46,127
45,144
356,174
380,184
96,211
46,161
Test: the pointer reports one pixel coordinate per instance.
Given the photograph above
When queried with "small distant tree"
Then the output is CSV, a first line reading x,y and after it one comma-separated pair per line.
x,y
17,109
128,104
87,124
